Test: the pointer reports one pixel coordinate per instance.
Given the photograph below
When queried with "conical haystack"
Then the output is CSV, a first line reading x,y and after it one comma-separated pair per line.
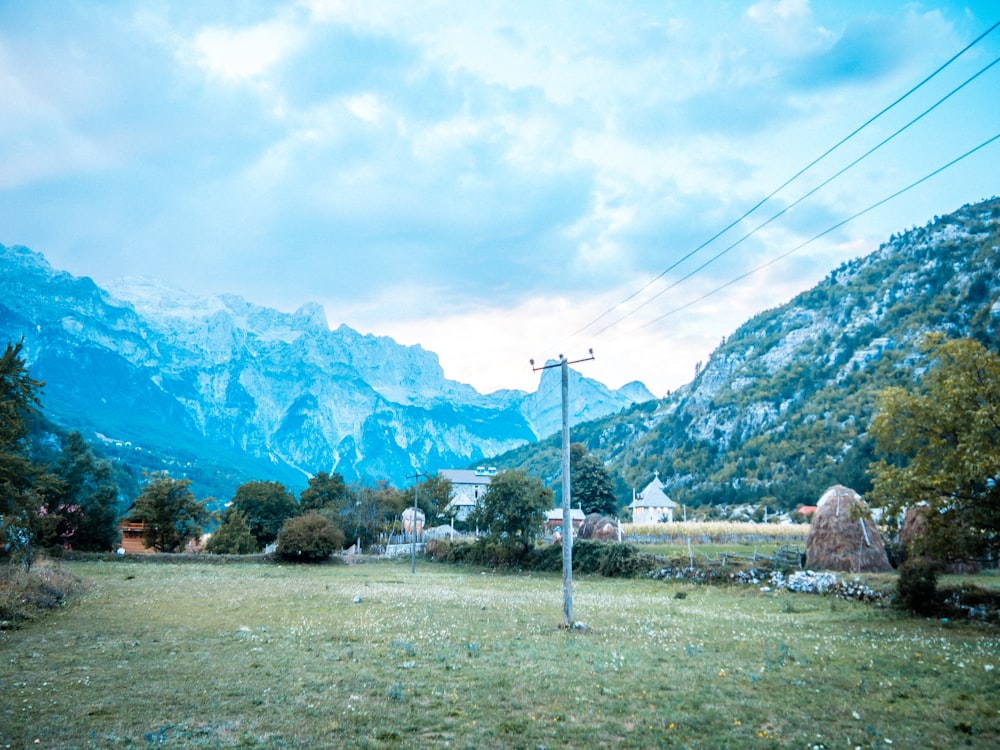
x,y
842,537
914,524
598,528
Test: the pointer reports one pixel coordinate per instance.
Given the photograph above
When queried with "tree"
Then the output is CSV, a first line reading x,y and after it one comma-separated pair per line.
x,y
512,506
84,511
432,498
233,536
435,494
309,538
325,491
169,512
942,442
266,506
592,486
23,484
370,510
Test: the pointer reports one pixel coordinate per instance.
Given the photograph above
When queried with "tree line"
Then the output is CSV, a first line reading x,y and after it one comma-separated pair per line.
x,y
50,495
936,444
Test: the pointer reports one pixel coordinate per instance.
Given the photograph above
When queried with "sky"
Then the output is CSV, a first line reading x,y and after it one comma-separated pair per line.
x,y
494,181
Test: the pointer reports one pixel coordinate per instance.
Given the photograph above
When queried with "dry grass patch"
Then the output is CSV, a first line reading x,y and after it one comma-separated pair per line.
x,y
26,594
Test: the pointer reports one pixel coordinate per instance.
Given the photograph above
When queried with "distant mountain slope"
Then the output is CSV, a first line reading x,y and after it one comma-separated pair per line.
x,y
782,408
225,391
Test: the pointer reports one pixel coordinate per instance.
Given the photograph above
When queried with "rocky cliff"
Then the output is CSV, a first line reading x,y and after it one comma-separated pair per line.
x,y
225,391
782,407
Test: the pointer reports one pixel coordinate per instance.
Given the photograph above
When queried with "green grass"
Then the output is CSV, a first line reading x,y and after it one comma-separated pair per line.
x,y
262,656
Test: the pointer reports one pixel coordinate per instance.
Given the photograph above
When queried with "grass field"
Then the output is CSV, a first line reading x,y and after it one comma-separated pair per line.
x,y
262,656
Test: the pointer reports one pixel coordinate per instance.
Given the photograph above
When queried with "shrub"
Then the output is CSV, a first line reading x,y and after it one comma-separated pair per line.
x,y
547,557
309,538
233,536
24,595
916,589
589,558
622,561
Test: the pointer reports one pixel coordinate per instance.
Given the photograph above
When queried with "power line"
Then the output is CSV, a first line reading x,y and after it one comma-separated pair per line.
x,y
787,182
799,200
825,232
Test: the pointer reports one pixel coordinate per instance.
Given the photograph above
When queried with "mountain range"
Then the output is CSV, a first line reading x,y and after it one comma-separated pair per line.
x,y
781,409
223,391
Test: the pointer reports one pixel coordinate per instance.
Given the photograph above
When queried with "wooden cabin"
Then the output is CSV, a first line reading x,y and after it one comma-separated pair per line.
x,y
132,537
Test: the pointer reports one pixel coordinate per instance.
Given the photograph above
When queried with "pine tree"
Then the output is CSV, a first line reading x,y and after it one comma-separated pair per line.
x,y
592,487
23,484
86,504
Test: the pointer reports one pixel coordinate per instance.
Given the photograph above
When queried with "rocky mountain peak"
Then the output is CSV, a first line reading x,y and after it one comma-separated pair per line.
x,y
263,393
780,410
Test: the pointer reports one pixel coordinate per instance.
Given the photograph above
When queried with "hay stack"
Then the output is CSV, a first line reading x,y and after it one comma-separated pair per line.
x,y
598,528
914,523
839,542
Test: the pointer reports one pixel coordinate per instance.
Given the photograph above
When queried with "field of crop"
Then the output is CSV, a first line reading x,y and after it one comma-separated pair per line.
x,y
276,656
727,532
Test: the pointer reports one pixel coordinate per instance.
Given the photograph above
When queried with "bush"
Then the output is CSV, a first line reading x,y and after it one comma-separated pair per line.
x,y
24,595
589,558
916,589
486,551
309,538
233,536
622,561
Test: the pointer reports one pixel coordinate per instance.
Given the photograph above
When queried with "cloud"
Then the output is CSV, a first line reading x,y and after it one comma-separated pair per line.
x,y
243,53
503,167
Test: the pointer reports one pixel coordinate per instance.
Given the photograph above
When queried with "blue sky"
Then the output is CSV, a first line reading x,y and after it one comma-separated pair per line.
x,y
487,179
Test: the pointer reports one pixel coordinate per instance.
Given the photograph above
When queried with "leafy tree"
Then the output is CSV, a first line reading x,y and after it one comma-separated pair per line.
x,y
170,513
592,486
512,506
233,536
23,483
434,496
83,513
371,510
943,442
309,538
325,491
266,506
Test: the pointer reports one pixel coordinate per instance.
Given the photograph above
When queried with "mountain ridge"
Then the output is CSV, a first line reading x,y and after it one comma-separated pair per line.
x,y
780,410
250,391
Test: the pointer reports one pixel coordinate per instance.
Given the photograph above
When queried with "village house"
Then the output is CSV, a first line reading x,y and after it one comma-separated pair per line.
x,y
652,504
132,532
467,486
554,518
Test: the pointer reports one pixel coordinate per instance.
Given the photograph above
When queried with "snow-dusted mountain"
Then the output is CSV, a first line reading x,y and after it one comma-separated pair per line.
x,y
226,391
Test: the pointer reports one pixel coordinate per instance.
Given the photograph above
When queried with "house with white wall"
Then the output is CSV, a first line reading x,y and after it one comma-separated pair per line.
x,y
467,486
652,505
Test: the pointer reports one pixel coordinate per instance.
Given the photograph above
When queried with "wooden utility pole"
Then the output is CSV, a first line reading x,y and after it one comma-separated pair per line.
x,y
413,544
567,520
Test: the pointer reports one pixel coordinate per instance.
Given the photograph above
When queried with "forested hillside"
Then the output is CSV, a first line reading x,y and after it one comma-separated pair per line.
x,y
782,408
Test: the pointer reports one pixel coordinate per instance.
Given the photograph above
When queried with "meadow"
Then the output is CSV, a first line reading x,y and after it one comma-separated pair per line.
x,y
196,655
